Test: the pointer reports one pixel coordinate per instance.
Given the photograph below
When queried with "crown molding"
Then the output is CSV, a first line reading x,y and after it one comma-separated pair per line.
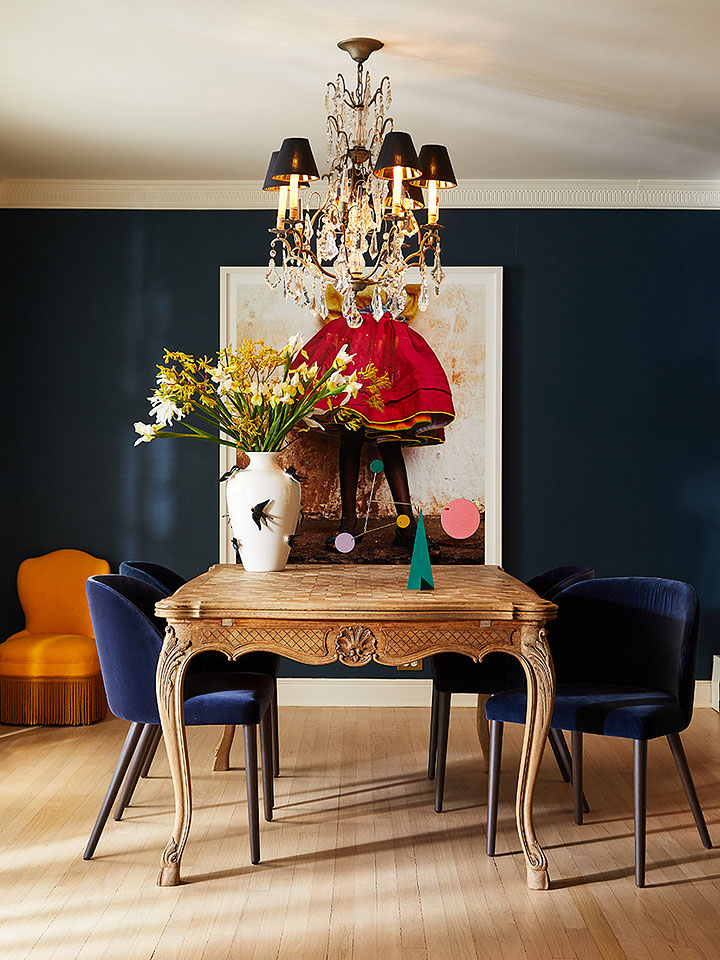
x,y
470,194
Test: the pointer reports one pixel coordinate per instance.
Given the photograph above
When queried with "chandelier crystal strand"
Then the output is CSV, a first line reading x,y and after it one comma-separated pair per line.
x,y
356,237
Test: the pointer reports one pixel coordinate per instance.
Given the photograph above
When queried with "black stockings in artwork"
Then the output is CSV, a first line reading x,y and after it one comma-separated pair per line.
x,y
351,442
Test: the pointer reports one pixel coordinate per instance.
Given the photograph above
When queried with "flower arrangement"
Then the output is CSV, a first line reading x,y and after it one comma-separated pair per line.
x,y
252,397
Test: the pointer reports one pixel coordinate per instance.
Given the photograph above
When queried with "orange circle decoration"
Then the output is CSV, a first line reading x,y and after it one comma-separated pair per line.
x,y
460,519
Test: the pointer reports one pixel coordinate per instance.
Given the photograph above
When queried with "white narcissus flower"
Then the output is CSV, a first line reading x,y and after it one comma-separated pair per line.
x,y
223,380
165,411
293,345
313,423
352,388
147,432
337,379
343,358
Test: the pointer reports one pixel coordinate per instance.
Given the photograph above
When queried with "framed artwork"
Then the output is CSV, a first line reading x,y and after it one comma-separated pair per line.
x,y
463,326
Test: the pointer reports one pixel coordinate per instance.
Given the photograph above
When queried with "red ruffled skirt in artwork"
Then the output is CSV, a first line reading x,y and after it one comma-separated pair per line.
x,y
417,404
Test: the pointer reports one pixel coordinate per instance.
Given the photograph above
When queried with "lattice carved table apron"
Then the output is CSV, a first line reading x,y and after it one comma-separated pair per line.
x,y
354,614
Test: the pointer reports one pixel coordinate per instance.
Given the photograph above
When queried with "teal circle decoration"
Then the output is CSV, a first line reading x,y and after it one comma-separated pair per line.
x,y
376,466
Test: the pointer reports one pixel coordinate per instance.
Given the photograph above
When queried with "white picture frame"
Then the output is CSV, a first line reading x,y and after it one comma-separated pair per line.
x,y
468,311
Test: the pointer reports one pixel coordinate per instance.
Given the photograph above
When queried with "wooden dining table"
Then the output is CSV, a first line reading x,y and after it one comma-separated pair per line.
x,y
354,614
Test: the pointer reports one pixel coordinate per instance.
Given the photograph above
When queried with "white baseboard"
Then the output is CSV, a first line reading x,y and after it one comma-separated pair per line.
x,y
403,692
703,689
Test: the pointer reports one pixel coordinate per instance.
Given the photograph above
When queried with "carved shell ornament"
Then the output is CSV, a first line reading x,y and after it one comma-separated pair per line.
x,y
355,645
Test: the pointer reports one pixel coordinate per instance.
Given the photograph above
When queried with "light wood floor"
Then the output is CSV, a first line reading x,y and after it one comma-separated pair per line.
x,y
356,864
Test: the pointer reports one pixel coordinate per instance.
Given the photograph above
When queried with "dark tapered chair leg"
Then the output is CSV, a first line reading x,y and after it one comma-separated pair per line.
x,y
496,737
563,749
126,755
561,758
432,754
640,781
275,733
443,725
151,753
251,779
576,740
267,759
133,774
678,752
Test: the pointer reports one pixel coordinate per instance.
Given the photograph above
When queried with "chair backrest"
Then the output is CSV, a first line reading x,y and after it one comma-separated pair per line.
x,y
638,631
51,589
155,573
129,638
550,583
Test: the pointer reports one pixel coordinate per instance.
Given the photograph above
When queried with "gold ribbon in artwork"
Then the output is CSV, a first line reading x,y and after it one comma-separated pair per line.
x,y
363,298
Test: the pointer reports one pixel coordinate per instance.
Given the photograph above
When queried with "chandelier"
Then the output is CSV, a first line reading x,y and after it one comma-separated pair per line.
x,y
365,230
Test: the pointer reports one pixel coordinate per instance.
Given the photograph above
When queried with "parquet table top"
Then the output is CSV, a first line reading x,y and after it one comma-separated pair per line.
x,y
347,591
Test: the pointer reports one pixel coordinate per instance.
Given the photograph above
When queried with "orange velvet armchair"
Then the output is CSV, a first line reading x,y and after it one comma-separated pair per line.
x,y
50,672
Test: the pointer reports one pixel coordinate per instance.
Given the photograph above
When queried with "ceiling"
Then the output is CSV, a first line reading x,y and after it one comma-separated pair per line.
x,y
204,90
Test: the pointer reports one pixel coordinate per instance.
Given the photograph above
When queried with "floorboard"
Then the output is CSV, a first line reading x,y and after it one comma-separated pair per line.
x,y
356,864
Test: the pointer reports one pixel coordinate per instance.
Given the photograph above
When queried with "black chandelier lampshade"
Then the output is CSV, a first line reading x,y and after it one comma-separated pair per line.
x,y
269,183
397,150
435,164
295,157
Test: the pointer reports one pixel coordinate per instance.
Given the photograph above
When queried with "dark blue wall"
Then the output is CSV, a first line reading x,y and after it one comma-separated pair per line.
x,y
610,400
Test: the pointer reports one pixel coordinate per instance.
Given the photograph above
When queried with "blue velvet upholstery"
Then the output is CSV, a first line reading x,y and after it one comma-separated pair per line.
x,y
611,710
550,583
129,639
456,673
624,651
211,661
155,573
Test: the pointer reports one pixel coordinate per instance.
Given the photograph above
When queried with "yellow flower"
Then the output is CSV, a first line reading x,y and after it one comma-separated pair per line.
x,y
251,396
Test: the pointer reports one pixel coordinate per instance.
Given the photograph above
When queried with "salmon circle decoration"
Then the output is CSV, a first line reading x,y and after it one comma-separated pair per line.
x,y
460,519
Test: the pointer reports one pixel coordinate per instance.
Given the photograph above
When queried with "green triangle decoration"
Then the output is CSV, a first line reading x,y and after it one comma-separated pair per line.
x,y
421,577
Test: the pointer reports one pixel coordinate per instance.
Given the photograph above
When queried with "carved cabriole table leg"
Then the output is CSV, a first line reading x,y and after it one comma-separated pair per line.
x,y
534,655
170,677
222,750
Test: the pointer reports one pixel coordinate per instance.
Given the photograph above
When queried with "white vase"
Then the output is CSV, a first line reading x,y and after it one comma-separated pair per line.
x,y
263,532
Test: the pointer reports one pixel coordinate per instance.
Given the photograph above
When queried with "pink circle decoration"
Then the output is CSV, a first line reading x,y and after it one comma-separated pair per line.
x,y
460,519
344,542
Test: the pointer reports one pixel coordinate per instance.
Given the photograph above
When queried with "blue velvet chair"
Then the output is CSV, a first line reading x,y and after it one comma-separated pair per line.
x,y
211,661
129,638
624,651
456,673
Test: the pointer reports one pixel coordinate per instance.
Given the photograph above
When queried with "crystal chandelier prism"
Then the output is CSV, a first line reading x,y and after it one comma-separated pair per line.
x,y
364,231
